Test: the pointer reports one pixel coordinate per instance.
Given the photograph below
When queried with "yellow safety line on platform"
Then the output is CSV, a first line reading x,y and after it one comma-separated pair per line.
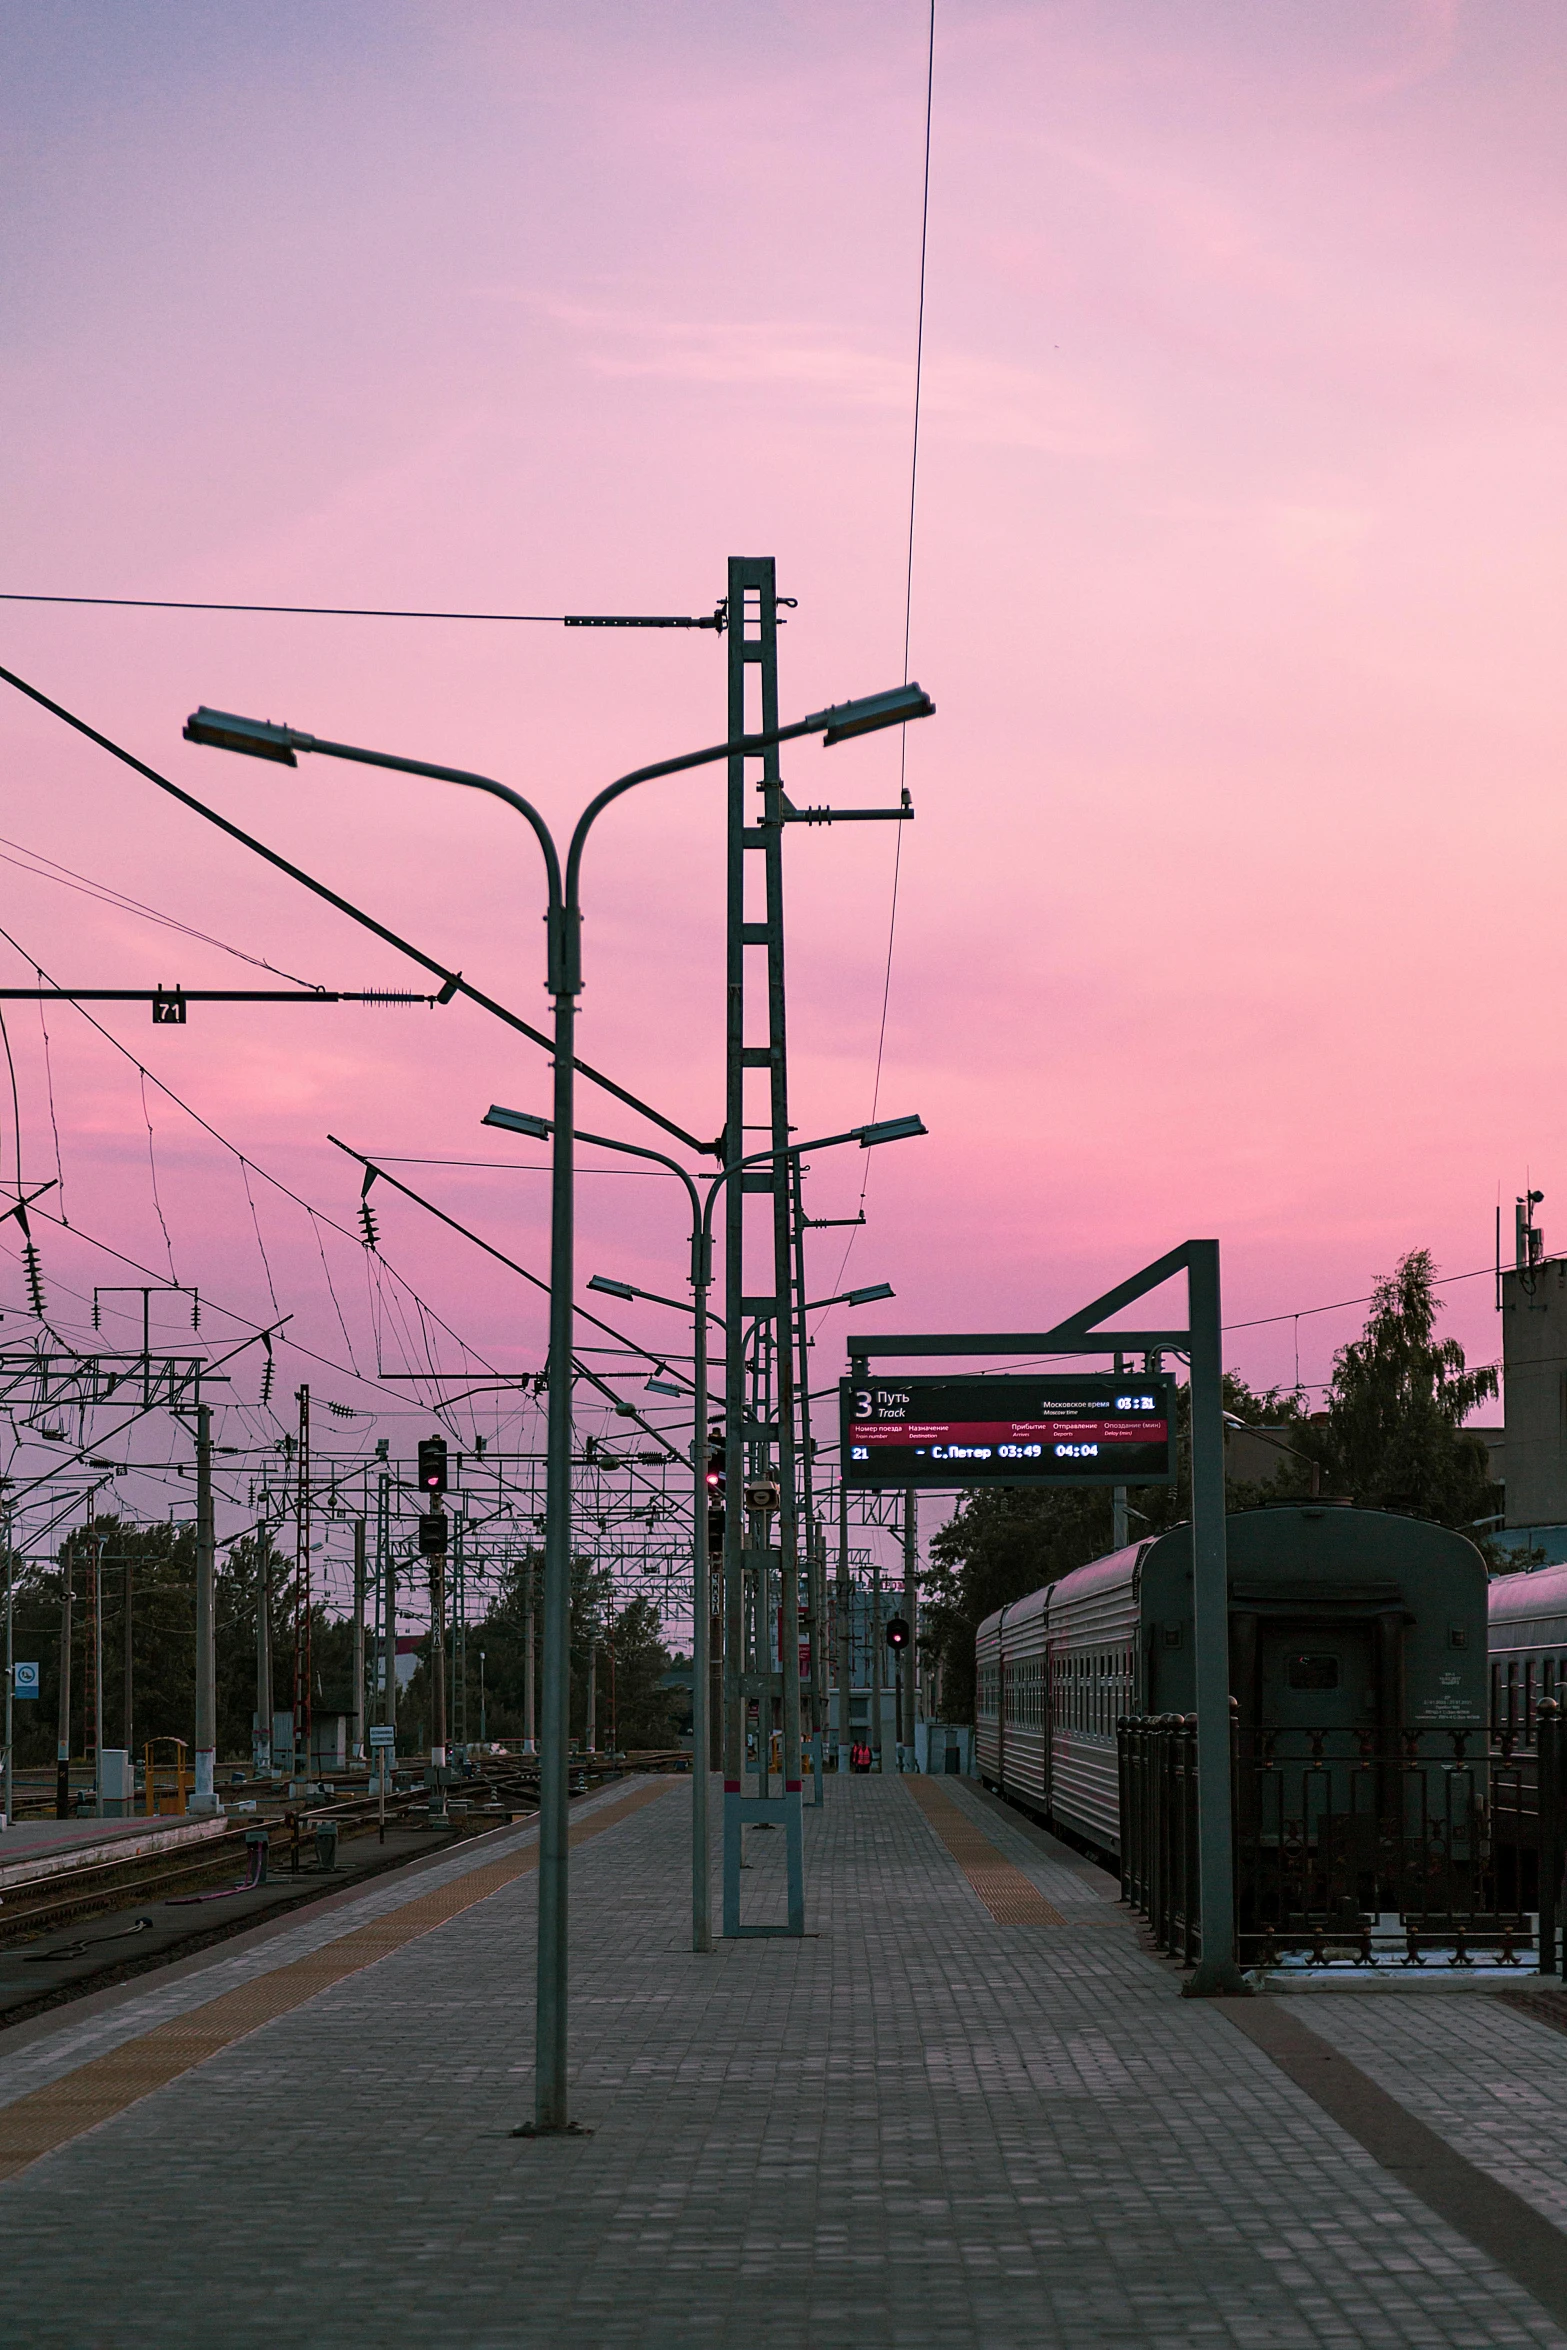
x,y
106,2085
1011,1898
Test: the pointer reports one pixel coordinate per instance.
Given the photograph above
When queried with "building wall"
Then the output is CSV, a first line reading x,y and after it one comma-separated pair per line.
x,y
1534,1373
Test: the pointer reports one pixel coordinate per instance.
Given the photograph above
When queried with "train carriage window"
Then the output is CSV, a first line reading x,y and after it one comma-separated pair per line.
x,y
1496,1697
1512,1697
1311,1672
1528,1698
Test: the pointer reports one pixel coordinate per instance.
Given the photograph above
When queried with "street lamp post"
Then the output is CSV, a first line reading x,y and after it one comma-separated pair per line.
x,y
887,1130
258,738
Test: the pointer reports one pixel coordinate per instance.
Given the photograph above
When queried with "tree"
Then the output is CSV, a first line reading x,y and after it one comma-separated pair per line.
x,y
1394,1435
632,1659
644,1714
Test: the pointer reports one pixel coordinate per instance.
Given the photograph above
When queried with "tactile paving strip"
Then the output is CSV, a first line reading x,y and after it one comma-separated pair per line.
x,y
49,2117
1011,1898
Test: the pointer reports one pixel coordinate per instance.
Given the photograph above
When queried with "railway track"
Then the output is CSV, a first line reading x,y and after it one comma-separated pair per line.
x,y
43,1905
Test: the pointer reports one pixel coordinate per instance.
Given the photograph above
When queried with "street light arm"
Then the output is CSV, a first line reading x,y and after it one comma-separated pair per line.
x,y
869,714
796,1150
742,746
462,775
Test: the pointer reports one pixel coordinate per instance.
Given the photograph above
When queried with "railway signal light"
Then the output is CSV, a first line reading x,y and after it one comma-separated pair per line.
x,y
717,1469
897,1634
432,1534
432,1465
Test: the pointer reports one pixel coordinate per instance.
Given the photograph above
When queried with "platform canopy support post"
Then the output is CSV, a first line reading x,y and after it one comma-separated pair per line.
x,y
1217,1973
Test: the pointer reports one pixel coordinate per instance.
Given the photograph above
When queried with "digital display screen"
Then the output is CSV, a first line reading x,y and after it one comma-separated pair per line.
x,y
1059,1430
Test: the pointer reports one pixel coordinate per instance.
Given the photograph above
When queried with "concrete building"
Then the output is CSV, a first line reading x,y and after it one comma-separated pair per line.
x,y
1534,1374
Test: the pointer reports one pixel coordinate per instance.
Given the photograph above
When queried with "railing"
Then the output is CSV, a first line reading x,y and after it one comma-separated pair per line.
x,y
1355,1847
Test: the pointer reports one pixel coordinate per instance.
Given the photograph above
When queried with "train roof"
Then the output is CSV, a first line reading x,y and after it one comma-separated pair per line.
x,y
1394,1532
1113,1568
1528,1597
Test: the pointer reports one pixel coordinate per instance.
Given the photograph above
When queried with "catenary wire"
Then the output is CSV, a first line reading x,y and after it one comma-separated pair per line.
x,y
908,612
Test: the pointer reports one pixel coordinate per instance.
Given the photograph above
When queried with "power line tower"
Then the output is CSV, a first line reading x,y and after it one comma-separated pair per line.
x,y
761,1583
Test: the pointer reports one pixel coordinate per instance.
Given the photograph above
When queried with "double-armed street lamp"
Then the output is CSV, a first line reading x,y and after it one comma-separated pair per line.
x,y
883,1130
257,738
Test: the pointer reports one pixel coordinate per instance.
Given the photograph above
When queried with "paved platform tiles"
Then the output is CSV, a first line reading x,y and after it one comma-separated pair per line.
x,y
924,2126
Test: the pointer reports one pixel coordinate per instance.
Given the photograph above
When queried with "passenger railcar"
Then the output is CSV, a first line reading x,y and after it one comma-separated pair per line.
x,y
1341,1619
1528,1648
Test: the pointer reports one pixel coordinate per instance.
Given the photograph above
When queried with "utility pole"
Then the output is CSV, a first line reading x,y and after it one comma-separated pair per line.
x,y
8,1798
359,1640
845,1629
204,1797
97,1675
592,1725
302,1689
388,1590
263,1742
1119,1526
815,1554
755,919
457,1670
876,1635
438,1684
1216,1972
128,1663
530,1674
62,1775
906,1666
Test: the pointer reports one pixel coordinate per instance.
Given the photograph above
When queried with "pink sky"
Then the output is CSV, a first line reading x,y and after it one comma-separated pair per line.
x,y
1238,582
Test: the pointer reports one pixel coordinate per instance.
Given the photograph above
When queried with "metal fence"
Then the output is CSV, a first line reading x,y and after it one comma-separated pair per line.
x,y
1365,1848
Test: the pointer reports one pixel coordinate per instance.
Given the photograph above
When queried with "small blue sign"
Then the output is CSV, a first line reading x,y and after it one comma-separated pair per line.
x,y
24,1680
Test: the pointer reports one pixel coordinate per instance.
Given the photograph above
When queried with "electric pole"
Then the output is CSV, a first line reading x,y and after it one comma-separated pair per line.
x,y
62,1776
359,1640
907,1671
204,1797
263,1739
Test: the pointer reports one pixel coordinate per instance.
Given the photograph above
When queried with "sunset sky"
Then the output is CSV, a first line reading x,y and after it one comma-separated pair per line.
x,y
1238,581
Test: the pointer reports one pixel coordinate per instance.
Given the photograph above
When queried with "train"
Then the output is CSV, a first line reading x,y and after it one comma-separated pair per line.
x,y
1355,1633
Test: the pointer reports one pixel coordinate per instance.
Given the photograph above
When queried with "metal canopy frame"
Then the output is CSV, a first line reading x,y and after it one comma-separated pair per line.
x,y
1217,1973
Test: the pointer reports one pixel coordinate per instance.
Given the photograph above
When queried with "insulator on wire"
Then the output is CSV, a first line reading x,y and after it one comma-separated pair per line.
x,y
34,1272
367,1222
266,1373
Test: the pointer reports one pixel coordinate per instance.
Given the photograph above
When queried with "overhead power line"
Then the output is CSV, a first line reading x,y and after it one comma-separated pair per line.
x,y
714,620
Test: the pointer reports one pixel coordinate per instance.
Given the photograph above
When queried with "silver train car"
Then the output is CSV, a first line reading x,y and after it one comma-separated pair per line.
x,y
1340,1618
1528,1648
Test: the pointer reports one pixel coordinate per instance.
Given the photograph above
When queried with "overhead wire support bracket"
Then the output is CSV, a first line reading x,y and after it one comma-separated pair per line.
x,y
790,814
168,1003
717,619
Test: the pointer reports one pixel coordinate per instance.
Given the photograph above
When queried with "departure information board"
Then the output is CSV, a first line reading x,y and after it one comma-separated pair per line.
x,y
1059,1430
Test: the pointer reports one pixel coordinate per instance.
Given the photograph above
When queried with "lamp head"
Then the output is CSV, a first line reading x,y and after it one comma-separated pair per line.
x,y
870,712
258,738
870,1296
517,1122
607,1288
890,1130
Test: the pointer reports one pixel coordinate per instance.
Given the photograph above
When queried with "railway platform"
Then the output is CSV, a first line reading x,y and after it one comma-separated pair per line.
x,y
970,2111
